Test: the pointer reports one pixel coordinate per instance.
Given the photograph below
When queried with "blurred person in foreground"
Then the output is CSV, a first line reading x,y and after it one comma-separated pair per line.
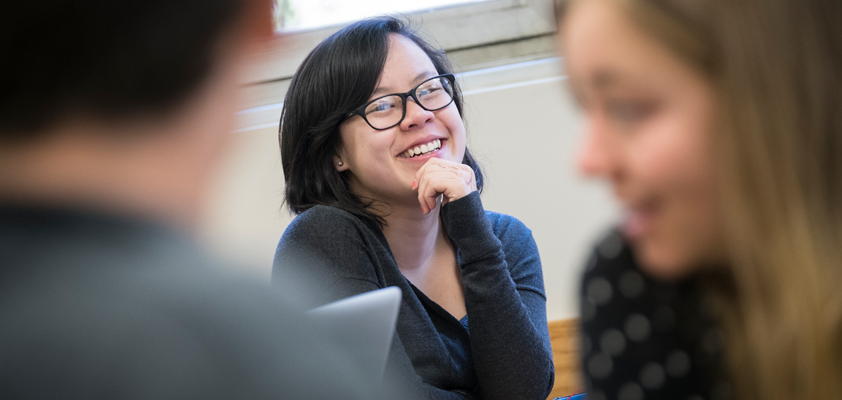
x,y
719,125
113,116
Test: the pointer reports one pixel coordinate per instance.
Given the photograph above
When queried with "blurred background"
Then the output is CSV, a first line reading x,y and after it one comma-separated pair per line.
x,y
523,127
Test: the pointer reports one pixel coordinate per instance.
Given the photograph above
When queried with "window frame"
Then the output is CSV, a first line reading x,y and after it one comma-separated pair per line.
x,y
474,36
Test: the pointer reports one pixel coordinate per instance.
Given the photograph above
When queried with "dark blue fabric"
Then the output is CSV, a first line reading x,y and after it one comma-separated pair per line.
x,y
500,350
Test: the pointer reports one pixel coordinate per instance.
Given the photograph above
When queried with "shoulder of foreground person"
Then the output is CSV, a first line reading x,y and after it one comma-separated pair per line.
x,y
166,336
118,315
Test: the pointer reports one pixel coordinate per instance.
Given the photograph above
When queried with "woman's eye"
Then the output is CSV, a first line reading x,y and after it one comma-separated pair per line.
x,y
628,112
426,91
380,107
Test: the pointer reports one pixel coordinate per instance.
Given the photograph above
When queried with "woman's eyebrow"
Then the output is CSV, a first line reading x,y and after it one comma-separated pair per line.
x,y
424,75
381,90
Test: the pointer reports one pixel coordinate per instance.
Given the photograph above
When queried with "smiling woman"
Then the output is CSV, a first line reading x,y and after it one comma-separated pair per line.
x,y
723,281
376,165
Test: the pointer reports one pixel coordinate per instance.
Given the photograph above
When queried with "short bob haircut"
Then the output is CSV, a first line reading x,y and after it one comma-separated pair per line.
x,y
336,78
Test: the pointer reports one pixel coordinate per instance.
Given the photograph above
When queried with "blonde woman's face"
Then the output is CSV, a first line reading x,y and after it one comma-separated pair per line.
x,y
650,121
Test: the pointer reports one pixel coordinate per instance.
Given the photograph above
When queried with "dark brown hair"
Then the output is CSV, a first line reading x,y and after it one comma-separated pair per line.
x,y
337,77
104,59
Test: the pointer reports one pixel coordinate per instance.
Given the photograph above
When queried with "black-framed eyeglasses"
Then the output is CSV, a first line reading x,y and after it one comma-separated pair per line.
x,y
387,111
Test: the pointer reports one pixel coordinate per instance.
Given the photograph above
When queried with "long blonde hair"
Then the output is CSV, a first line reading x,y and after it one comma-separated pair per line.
x,y
777,68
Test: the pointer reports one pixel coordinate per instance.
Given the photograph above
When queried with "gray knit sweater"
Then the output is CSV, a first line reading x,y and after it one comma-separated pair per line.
x,y
502,353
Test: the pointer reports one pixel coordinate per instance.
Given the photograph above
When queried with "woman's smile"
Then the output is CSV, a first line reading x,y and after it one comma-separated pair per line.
x,y
641,220
423,150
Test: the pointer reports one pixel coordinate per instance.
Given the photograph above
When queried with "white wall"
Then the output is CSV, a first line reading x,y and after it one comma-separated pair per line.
x,y
522,127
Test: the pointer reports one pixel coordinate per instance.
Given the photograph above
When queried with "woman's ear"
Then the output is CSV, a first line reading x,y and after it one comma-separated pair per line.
x,y
339,163
340,158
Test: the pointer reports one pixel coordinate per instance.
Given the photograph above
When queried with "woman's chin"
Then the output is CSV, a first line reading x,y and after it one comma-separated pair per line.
x,y
661,261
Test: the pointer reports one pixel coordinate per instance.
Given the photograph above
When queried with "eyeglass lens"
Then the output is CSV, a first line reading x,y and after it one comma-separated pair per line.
x,y
387,111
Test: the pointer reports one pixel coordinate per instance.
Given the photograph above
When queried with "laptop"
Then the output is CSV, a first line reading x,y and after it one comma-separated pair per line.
x,y
581,396
364,326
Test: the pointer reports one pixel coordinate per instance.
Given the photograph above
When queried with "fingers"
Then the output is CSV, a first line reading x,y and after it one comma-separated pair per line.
x,y
439,177
437,164
427,197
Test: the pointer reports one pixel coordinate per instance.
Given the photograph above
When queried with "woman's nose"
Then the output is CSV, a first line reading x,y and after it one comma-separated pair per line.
x,y
415,115
594,156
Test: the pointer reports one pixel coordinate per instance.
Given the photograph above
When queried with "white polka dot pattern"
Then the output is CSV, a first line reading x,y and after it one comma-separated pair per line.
x,y
652,376
613,342
678,364
610,246
639,333
630,391
637,327
600,365
631,284
599,291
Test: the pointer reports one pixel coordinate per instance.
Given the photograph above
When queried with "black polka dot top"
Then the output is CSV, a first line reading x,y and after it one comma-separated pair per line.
x,y
643,338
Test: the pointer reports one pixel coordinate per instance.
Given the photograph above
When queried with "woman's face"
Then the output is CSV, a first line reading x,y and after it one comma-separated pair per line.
x,y
376,160
650,135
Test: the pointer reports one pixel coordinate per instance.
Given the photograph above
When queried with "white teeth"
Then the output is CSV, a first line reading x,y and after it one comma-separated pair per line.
x,y
423,149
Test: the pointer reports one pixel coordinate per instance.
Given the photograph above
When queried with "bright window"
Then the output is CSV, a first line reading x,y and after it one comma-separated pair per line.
x,y
294,15
476,34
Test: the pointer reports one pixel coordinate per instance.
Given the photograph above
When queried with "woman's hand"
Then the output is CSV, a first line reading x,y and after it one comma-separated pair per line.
x,y
441,177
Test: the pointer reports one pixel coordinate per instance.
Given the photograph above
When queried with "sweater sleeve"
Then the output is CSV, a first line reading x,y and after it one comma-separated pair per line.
x,y
505,303
327,254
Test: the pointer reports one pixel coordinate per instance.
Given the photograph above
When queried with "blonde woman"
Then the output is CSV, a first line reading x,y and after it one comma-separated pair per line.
x,y
719,125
